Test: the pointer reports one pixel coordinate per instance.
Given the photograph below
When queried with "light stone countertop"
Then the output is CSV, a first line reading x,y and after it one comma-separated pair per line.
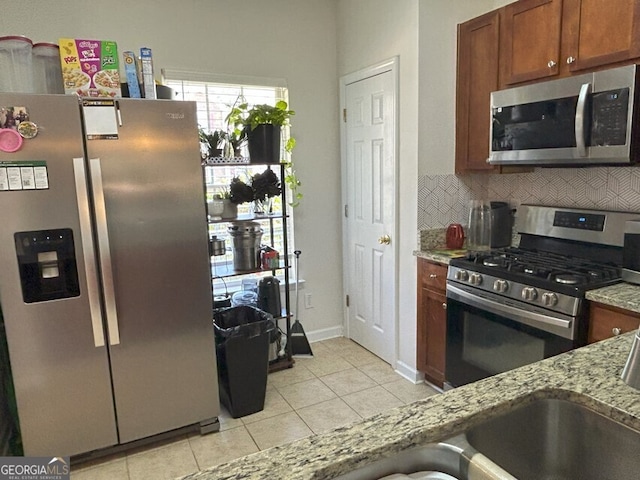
x,y
439,256
623,295
588,375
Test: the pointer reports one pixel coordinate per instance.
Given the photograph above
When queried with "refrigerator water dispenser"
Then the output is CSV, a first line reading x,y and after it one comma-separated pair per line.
x,y
47,264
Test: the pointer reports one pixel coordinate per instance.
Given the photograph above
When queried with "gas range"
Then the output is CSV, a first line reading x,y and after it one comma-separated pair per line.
x,y
563,252
514,306
551,280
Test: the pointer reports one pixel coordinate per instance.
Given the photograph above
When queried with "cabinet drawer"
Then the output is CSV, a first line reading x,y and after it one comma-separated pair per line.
x,y
606,322
433,275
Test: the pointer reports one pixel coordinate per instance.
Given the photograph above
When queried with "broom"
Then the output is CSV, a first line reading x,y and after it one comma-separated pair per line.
x,y
299,343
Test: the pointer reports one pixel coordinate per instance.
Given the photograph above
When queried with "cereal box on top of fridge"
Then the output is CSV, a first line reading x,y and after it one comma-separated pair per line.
x,y
90,68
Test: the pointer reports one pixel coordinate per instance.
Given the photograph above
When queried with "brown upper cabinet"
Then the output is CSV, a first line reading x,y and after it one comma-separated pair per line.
x,y
477,77
528,41
548,38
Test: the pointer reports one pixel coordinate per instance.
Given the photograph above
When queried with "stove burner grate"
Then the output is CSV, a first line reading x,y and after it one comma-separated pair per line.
x,y
548,267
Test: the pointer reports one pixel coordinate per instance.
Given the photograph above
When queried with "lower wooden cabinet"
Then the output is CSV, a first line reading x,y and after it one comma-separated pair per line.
x,y
606,321
432,320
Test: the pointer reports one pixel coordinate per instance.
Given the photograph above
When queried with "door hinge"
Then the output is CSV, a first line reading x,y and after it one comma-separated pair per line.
x,y
347,300
346,211
344,115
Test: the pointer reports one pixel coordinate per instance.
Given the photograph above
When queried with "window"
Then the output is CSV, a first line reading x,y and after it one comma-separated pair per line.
x,y
215,97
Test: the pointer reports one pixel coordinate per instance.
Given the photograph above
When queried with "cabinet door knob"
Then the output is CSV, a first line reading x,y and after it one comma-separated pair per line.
x,y
551,64
570,60
433,275
444,306
384,240
616,331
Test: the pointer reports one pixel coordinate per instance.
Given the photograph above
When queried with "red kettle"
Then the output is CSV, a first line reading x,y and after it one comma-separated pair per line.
x,y
455,236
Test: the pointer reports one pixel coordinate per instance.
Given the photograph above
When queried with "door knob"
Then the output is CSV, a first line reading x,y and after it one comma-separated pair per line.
x,y
570,60
551,64
384,240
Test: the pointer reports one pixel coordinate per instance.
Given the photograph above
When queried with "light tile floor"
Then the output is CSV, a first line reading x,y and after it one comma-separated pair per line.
x,y
342,383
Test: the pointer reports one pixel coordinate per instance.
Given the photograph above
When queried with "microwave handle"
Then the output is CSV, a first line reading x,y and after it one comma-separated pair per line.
x,y
585,91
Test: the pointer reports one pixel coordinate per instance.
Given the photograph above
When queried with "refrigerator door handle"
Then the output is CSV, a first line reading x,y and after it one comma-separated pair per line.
x,y
105,251
93,292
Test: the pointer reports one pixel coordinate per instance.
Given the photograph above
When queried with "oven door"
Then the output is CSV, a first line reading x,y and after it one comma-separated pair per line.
x,y
487,335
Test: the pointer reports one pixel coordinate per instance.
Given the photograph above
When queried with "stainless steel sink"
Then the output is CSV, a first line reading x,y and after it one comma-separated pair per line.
x,y
556,439
441,457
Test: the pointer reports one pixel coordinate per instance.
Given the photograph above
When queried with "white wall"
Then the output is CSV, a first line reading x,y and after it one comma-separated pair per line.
x,y
370,31
290,39
438,51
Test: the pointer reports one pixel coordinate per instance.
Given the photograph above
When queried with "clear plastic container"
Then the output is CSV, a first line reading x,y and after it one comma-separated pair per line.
x,y
479,231
47,72
16,65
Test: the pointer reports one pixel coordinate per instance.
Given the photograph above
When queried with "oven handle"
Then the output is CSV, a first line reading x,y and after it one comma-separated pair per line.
x,y
558,326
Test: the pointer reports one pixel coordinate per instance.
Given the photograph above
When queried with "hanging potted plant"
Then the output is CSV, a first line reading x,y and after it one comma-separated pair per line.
x,y
262,125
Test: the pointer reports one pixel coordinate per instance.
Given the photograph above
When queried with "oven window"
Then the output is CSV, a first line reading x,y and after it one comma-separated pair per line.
x,y
496,348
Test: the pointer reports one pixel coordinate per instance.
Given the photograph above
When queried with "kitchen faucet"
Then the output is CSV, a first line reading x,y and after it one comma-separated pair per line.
x,y
631,371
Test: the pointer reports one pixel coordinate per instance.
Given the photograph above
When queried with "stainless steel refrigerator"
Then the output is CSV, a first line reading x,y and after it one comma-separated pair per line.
x,y
105,283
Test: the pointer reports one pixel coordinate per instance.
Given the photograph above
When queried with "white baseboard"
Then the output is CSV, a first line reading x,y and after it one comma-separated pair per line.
x,y
325,334
410,373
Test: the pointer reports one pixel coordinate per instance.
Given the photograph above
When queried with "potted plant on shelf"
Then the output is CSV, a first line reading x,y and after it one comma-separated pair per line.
x,y
211,143
235,140
262,125
239,192
265,185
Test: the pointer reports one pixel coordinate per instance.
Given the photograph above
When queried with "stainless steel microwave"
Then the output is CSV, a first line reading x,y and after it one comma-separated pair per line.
x,y
582,120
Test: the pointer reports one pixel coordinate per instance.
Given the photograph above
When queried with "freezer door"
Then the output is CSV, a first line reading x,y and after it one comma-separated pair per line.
x,y
152,229
49,287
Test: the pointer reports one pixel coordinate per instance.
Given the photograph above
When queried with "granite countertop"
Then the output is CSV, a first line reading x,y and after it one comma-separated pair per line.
x,y
439,256
623,295
589,375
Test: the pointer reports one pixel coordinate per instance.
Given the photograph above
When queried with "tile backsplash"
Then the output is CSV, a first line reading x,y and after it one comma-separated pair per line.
x,y
444,199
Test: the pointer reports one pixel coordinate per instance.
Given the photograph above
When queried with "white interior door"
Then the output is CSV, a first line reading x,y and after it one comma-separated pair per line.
x,y
369,165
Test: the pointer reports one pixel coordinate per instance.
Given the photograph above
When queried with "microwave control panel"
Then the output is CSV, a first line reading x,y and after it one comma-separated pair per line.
x,y
609,117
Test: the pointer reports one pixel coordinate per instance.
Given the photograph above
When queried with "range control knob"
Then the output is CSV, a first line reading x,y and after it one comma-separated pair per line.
x,y
529,294
501,286
462,275
549,299
475,279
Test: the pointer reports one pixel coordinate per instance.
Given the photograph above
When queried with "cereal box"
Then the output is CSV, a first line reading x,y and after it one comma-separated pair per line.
x,y
147,73
90,67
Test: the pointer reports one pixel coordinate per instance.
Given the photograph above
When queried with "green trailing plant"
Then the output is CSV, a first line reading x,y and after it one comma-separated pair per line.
x,y
243,117
278,115
290,178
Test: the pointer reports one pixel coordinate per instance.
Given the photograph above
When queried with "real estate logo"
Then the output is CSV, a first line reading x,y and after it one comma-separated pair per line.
x,y
35,468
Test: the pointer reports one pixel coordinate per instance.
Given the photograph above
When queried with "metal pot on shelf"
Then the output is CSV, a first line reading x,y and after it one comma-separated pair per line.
x,y
246,238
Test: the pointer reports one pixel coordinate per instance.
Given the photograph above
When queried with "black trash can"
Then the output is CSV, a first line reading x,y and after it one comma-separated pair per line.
x,y
242,349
